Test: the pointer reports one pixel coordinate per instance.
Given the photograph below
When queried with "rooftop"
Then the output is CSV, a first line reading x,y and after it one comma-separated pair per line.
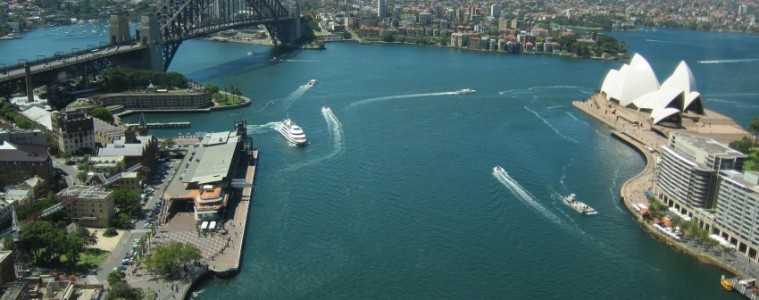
x,y
211,161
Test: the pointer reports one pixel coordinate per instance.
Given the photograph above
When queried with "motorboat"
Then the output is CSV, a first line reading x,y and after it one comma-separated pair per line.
x,y
465,91
292,132
312,82
498,169
578,206
251,53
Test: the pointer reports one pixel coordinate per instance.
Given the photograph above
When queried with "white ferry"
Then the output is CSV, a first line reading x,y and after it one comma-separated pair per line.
x,y
465,91
312,82
292,132
579,206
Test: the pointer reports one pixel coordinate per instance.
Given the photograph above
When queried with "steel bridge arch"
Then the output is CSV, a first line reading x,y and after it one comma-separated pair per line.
x,y
186,19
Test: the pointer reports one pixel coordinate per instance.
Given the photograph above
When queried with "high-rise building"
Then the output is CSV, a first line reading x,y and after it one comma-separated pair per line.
x,y
737,213
382,9
687,172
495,10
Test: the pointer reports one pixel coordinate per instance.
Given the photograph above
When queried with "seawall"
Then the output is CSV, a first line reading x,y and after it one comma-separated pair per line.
x,y
631,191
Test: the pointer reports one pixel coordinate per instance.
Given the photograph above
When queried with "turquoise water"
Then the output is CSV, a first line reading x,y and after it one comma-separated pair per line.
x,y
395,197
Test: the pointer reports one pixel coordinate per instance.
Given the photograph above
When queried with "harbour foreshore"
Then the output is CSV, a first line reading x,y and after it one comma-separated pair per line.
x,y
632,128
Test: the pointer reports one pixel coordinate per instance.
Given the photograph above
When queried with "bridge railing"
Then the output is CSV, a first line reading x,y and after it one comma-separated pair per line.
x,y
60,55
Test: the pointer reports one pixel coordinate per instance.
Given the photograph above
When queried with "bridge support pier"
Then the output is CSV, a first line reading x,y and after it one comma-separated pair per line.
x,y
150,35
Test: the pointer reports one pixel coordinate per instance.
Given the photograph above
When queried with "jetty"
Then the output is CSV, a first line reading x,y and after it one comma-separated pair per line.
x,y
162,125
221,245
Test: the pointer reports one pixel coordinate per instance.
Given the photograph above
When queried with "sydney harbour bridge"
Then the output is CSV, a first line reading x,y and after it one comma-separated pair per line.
x,y
156,41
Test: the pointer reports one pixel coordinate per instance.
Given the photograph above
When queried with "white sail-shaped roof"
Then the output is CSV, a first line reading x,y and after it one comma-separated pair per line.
x,y
692,101
681,78
636,80
609,81
635,85
662,113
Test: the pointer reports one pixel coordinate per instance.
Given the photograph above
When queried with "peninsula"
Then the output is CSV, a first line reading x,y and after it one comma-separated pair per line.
x,y
644,118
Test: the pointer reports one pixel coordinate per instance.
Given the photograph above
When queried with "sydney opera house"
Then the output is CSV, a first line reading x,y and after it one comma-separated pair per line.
x,y
635,86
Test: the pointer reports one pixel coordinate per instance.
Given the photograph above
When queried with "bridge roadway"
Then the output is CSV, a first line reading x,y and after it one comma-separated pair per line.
x,y
50,63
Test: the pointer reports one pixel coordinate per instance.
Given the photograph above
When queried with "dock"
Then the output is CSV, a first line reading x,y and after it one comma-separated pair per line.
x,y
743,286
162,125
228,261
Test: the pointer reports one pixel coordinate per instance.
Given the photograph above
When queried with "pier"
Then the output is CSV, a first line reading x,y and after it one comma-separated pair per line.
x,y
162,125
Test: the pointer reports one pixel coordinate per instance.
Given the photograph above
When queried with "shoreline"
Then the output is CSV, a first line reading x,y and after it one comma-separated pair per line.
x,y
128,112
631,191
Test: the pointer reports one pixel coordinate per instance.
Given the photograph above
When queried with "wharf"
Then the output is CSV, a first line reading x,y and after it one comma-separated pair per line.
x,y
221,251
228,261
162,125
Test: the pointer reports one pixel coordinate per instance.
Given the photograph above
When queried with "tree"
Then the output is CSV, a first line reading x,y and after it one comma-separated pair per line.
x,y
120,289
754,128
115,277
211,89
103,114
169,259
744,145
126,200
8,243
88,237
46,244
110,232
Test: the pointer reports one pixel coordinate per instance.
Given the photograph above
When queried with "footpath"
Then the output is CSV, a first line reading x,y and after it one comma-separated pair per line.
x,y
632,128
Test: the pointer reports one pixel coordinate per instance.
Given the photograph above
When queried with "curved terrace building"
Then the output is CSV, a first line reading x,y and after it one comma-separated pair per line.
x,y
688,169
635,85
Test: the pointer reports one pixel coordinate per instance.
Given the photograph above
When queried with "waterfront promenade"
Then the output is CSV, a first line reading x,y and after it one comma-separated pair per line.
x,y
633,128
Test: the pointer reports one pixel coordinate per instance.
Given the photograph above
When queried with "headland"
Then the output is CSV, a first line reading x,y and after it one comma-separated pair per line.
x,y
634,128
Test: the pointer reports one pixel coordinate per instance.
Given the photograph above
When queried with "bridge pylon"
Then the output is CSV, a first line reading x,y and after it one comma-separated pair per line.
x,y
158,54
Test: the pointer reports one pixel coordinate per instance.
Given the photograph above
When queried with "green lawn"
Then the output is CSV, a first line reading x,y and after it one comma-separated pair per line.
x,y
225,99
92,258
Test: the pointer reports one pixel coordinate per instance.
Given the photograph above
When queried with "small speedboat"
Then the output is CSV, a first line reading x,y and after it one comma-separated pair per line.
x,y
498,169
312,82
465,91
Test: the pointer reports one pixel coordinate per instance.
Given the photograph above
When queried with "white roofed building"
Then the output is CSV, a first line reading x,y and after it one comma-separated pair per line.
x,y
635,85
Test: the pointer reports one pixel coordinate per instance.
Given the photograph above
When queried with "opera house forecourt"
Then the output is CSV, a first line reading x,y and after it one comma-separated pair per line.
x,y
689,167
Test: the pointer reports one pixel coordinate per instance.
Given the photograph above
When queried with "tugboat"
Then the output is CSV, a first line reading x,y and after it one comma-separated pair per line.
x,y
578,206
292,132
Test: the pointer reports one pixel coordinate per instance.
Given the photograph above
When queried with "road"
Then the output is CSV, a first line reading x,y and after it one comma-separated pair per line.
x,y
69,171
130,236
54,63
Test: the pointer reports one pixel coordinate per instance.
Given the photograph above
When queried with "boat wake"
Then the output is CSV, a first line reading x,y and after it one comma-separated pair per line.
x,y
262,128
728,61
295,95
733,102
197,293
530,90
551,126
335,131
381,99
522,194
665,42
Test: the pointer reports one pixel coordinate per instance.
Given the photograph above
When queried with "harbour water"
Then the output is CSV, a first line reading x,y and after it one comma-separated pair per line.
x,y
395,197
